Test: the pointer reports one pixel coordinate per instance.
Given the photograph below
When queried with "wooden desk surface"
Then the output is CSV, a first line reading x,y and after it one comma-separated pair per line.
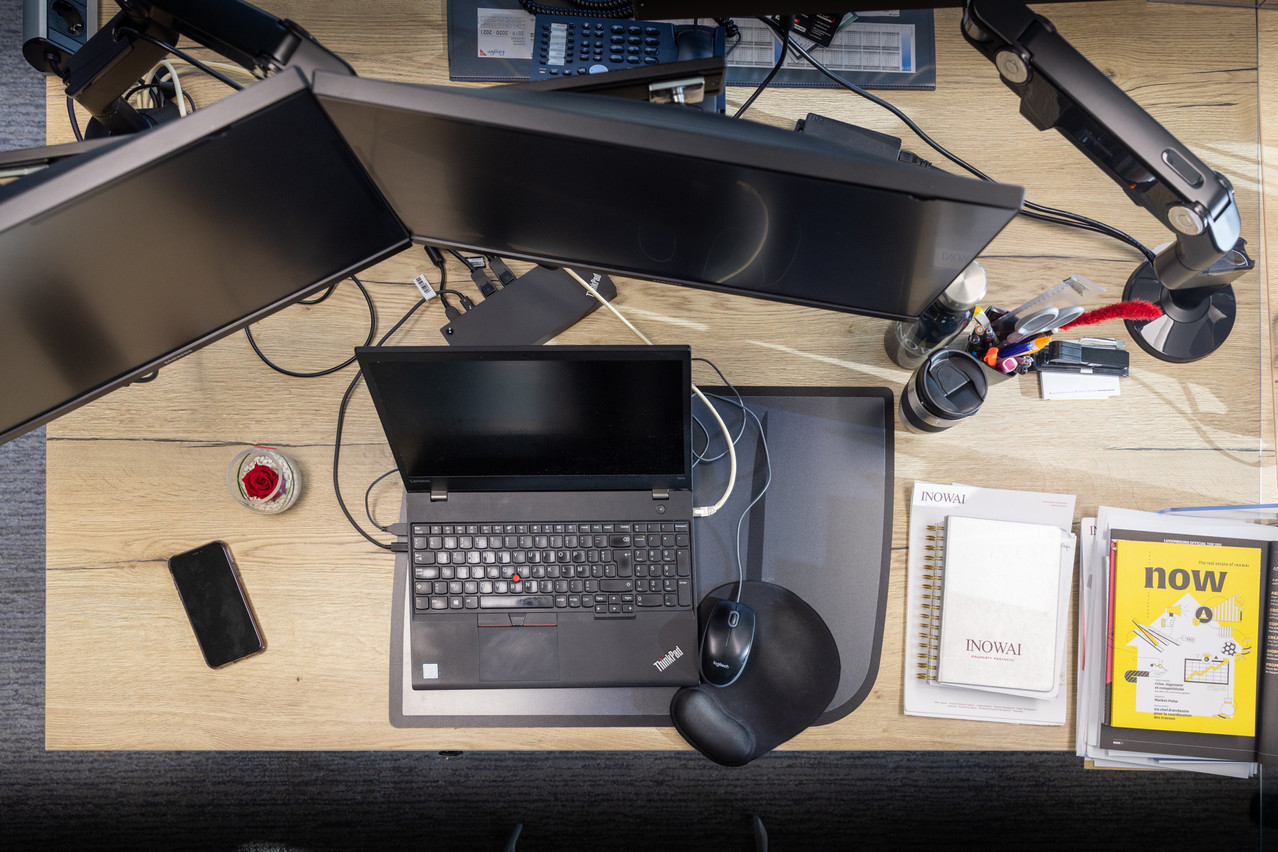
x,y
139,475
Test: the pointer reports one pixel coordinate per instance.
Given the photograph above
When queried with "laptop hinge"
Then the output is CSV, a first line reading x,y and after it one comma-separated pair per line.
x,y
438,493
660,494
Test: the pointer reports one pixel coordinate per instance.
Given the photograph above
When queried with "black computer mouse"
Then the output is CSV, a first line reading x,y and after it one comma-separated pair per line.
x,y
726,642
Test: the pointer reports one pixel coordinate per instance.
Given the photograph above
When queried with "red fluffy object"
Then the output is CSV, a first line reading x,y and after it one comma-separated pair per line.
x,y
1136,309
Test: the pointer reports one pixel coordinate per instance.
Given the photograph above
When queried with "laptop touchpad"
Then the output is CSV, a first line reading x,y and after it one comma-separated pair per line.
x,y
523,653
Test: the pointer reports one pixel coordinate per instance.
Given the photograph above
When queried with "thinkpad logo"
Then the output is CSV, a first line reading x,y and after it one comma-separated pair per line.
x,y
668,660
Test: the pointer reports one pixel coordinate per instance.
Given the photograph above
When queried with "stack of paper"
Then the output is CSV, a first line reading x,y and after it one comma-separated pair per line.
x,y
988,590
1171,655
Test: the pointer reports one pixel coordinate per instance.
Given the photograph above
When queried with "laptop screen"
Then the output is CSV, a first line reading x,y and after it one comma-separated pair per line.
x,y
535,418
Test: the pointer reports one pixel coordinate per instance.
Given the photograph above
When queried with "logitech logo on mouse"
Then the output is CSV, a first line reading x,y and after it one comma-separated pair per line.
x,y
718,664
668,660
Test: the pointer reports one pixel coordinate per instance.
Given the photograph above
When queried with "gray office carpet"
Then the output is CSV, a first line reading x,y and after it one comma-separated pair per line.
x,y
565,801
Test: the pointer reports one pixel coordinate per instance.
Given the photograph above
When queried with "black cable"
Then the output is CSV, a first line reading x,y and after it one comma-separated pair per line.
x,y
730,28
372,331
746,414
341,419
368,510
785,43
180,54
698,457
155,87
75,123
438,260
454,313
1030,211
322,296
461,258
583,8
500,269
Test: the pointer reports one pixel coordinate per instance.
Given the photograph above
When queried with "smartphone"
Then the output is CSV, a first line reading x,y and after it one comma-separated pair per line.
x,y
209,585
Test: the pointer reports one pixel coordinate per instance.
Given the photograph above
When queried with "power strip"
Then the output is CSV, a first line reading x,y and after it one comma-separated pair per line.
x,y
52,30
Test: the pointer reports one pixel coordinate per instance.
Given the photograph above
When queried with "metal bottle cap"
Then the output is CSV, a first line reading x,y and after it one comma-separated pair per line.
x,y
967,290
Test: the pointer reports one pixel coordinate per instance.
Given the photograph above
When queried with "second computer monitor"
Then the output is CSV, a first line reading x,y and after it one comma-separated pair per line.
x,y
665,193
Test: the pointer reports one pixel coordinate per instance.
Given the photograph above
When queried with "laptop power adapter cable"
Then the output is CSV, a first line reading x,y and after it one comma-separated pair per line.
x,y
699,511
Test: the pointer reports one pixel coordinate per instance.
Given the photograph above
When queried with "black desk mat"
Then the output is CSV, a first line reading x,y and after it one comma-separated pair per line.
x,y
823,530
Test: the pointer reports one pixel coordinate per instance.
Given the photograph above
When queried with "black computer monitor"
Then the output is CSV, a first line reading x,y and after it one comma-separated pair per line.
x,y
139,249
665,193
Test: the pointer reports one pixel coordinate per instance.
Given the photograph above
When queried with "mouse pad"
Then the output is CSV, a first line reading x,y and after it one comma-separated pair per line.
x,y
789,678
822,530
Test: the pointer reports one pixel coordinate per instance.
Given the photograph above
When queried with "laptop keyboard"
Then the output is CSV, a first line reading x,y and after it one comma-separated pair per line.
x,y
613,569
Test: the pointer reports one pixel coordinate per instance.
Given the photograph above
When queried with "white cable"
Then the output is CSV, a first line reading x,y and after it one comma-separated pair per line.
x,y
177,86
700,511
186,67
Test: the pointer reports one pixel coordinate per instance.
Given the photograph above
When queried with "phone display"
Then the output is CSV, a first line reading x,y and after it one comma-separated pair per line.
x,y
209,586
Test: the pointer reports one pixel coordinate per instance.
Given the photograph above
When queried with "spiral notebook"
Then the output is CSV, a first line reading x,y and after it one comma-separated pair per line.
x,y
996,594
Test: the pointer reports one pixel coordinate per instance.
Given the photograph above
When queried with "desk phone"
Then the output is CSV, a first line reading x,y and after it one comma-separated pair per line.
x,y
567,45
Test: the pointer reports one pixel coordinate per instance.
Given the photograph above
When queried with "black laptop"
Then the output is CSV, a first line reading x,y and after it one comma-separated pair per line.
x,y
549,504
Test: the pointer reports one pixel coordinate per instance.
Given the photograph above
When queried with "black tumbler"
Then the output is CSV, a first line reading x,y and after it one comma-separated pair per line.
x,y
948,387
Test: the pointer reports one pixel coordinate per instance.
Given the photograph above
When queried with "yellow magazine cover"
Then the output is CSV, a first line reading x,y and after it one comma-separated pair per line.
x,y
1185,622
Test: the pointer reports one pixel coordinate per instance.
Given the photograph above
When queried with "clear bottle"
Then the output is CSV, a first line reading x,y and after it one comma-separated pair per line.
x,y
909,342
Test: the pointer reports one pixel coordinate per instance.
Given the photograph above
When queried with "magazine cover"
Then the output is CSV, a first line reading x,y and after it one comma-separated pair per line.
x,y
1186,618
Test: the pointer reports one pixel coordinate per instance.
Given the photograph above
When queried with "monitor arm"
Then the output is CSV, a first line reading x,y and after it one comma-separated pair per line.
x,y
1059,88
117,56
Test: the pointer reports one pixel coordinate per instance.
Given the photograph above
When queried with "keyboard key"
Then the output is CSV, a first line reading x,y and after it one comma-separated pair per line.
x,y
616,585
516,602
650,600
